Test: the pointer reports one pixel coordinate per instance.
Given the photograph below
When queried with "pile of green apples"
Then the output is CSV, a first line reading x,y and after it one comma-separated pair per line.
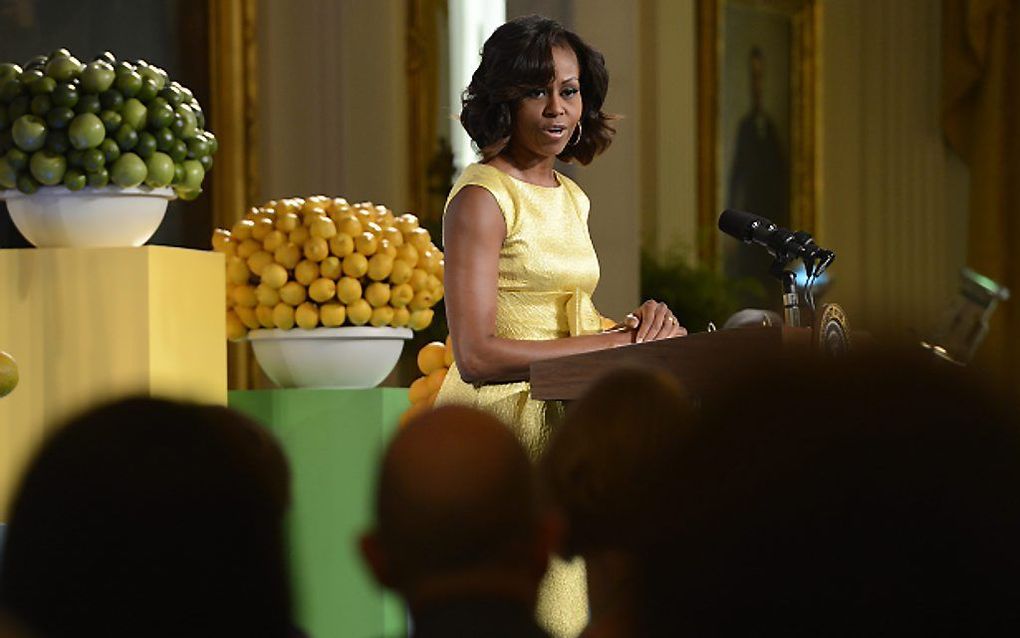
x,y
104,123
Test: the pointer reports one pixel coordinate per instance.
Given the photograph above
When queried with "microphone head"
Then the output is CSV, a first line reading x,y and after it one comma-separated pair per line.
x,y
740,224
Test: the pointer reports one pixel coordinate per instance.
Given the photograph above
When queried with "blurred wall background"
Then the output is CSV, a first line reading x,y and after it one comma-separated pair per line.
x,y
893,198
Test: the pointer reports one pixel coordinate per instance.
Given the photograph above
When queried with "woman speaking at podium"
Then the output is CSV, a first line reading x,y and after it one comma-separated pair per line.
x,y
520,265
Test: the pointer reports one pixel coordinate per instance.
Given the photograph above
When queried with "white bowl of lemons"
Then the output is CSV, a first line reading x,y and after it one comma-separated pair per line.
x,y
55,217
347,357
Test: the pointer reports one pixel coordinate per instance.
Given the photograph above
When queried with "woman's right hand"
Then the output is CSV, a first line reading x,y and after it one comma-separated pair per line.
x,y
653,320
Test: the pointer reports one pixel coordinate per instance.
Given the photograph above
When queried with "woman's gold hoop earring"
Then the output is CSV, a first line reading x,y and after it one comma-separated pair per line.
x,y
574,142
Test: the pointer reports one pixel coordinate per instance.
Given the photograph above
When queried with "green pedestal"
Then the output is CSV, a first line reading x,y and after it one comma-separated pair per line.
x,y
333,440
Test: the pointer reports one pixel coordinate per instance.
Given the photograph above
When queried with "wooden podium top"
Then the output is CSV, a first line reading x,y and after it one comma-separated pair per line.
x,y
698,360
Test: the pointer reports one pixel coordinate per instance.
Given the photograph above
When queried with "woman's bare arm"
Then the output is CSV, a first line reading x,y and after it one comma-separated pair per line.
x,y
473,234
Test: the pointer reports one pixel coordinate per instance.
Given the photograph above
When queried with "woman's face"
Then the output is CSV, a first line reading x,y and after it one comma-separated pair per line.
x,y
545,118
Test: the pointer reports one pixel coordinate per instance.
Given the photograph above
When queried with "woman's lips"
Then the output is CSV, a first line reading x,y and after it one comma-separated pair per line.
x,y
555,132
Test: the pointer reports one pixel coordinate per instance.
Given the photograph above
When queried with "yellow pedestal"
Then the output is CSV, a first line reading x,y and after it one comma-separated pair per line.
x,y
89,325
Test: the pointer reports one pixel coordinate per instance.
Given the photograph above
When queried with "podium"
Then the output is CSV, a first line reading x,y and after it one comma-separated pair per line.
x,y
698,360
88,325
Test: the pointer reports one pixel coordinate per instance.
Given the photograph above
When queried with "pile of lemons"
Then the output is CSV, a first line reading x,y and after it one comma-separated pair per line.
x,y
434,361
323,262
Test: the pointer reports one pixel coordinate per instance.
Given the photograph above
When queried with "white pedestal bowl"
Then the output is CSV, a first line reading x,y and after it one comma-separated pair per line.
x,y
54,217
348,357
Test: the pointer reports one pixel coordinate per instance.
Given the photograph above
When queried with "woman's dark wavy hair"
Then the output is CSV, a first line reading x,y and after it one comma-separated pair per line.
x,y
517,58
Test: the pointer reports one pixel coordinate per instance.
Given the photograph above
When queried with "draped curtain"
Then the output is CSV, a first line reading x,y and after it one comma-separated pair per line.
x,y
232,59
981,120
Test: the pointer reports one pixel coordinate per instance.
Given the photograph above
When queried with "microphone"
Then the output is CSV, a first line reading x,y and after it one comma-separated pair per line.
x,y
783,244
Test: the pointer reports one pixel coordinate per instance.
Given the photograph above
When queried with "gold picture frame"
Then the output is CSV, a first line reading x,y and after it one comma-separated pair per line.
x,y
789,32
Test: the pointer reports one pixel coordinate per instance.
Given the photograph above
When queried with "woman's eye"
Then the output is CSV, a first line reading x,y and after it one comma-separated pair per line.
x,y
536,93
570,92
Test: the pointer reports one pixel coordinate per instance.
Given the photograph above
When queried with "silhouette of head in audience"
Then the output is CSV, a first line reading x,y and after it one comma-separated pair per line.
x,y
856,497
457,514
605,463
604,469
150,518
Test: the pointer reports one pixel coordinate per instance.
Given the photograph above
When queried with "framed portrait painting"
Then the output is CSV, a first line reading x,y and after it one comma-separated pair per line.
x,y
756,122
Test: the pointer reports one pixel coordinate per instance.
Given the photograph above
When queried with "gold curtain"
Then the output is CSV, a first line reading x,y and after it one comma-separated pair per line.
x,y
981,120
232,59
424,53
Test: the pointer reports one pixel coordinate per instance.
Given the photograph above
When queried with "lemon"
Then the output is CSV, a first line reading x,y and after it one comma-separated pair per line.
x,y
359,312
283,316
306,272
420,319
263,226
235,329
401,295
378,294
430,357
419,279
406,223
394,236
419,238
332,315
381,316
408,253
379,267
341,244
349,225
265,316
247,317
316,248
274,276
387,248
245,296
401,272
258,260
306,316
355,265
287,255
292,293
247,248
273,240
242,229
267,295
366,243
323,227
331,268
401,317
422,299
322,289
220,239
237,271
286,222
348,290
299,235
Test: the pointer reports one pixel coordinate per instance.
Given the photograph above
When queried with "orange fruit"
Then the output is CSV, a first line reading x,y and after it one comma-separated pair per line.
x,y
430,357
448,353
435,379
419,390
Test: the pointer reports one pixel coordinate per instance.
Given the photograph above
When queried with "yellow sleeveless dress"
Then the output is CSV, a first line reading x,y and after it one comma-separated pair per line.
x,y
547,273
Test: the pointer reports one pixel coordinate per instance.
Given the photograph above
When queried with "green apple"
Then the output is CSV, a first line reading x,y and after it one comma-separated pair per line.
x,y
8,373
29,132
47,167
86,131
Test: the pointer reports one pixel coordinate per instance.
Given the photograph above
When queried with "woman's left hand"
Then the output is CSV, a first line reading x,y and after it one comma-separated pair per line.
x,y
653,320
